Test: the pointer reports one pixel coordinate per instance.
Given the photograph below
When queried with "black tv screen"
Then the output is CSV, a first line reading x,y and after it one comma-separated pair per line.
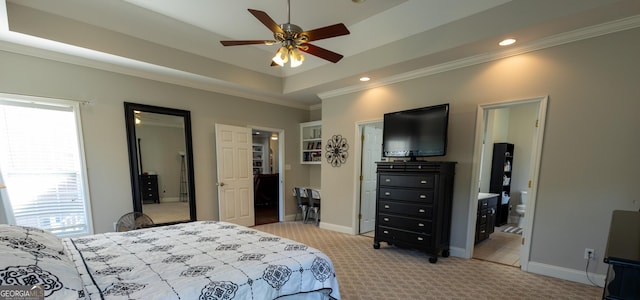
x,y
420,132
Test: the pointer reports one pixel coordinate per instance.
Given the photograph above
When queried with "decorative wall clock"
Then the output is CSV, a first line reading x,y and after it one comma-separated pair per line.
x,y
336,150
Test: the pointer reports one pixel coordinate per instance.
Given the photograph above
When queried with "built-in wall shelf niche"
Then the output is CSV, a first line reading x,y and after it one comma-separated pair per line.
x,y
311,142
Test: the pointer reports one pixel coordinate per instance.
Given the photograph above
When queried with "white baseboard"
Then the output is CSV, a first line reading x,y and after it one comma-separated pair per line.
x,y
566,274
338,228
291,218
169,199
457,252
325,225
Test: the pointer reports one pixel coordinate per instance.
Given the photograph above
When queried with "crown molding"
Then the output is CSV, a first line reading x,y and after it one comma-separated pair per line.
x,y
555,40
47,49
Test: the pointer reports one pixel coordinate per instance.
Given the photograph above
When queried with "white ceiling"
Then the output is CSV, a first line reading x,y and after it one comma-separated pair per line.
x,y
388,38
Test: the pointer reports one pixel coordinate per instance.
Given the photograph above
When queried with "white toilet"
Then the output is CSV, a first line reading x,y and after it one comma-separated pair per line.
x,y
520,208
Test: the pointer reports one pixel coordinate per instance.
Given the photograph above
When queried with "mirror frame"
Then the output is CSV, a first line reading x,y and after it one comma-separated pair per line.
x,y
129,115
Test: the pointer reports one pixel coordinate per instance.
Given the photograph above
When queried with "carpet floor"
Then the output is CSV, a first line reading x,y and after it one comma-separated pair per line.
x,y
396,273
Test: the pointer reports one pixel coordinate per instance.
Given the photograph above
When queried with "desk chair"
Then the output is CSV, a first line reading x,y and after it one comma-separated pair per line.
x,y
303,203
314,205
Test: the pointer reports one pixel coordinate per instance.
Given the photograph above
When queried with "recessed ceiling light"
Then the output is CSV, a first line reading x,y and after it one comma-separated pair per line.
x,y
365,78
507,42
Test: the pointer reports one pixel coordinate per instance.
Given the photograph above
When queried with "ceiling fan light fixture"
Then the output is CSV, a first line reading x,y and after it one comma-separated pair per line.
x,y
293,40
296,57
281,57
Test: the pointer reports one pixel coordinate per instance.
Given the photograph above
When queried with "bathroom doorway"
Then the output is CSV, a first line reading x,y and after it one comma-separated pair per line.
x,y
520,125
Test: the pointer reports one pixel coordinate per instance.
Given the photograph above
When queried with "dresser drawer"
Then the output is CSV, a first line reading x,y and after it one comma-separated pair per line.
x,y
391,235
416,181
422,211
413,224
425,196
483,216
483,204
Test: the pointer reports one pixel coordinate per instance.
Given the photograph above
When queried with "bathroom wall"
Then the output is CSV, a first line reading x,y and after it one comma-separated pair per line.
x,y
522,120
496,131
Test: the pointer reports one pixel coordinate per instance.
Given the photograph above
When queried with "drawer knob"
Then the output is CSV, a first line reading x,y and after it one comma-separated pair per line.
x,y
386,219
385,232
386,206
485,204
387,180
423,182
421,210
420,239
423,196
484,216
420,225
387,193
483,231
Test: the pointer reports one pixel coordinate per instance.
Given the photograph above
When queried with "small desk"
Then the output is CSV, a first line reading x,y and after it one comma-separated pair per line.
x,y
623,256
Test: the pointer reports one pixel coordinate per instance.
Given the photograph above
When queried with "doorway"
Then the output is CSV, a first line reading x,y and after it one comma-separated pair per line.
x,y
519,123
370,152
267,182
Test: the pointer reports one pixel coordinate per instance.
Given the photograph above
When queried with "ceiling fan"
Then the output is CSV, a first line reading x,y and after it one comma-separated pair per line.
x,y
293,40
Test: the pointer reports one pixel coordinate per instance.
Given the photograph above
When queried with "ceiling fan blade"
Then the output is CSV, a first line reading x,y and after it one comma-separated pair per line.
x,y
321,52
266,20
247,42
326,32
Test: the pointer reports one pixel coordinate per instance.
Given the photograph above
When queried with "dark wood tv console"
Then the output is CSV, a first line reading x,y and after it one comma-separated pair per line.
x,y
413,206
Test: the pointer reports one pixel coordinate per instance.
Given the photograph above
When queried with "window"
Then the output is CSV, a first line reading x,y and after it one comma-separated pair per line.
x,y
42,164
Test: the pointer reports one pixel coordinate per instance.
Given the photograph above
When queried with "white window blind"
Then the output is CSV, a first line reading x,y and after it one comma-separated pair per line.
x,y
43,166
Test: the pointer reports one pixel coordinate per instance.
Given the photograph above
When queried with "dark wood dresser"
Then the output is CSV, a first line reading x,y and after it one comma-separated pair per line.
x,y
149,189
413,206
623,256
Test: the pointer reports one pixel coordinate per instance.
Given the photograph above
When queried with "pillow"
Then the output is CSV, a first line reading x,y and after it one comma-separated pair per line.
x,y
32,256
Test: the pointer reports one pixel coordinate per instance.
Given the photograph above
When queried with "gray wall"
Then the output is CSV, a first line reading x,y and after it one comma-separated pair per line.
x,y
590,156
104,127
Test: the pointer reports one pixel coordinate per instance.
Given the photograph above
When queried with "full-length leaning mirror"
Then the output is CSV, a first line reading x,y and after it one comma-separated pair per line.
x,y
161,162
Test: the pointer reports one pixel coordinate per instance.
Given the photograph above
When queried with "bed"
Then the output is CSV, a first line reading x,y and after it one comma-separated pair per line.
x,y
197,260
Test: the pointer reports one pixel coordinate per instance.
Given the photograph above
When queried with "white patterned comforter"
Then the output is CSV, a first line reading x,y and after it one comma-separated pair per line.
x,y
200,260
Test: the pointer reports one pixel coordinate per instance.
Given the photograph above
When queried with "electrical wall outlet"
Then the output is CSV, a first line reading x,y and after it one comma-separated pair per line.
x,y
589,254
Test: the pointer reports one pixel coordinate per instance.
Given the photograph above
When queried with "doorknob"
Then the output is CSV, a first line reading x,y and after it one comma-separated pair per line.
x,y
221,184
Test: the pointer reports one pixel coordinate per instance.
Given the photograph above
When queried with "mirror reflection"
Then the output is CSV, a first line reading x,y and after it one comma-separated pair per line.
x,y
161,163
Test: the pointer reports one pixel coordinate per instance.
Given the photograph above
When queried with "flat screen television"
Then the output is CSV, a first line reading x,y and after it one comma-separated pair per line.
x,y
420,132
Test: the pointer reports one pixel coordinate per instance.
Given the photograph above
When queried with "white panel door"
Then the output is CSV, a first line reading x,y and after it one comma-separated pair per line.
x,y
371,153
235,176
